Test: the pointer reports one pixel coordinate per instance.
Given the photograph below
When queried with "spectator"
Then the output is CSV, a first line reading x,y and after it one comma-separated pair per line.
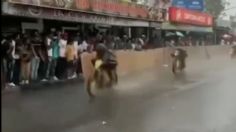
x,y
172,43
108,40
45,53
76,43
16,44
35,47
62,59
25,56
5,60
133,44
78,38
124,42
53,55
117,42
84,46
79,47
71,57
4,48
141,42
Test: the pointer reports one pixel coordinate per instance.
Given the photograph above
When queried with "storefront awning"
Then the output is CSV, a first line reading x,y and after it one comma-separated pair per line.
x,y
155,25
169,26
66,15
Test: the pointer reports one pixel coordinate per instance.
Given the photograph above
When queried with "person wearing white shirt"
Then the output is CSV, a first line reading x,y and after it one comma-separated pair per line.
x,y
83,47
62,59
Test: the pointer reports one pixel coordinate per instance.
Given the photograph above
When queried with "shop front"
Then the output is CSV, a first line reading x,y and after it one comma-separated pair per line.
x,y
193,25
80,14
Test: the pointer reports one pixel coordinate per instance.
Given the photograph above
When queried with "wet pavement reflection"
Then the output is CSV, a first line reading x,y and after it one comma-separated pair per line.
x,y
202,99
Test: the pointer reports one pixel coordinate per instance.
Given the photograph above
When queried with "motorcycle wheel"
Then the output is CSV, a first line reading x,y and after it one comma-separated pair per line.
x,y
100,80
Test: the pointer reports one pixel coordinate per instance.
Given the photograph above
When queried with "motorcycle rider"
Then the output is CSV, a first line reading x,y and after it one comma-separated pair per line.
x,y
179,55
109,62
233,51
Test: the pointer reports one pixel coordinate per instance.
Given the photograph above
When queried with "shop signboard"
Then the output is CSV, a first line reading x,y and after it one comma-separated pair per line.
x,y
103,7
184,16
179,3
189,4
65,15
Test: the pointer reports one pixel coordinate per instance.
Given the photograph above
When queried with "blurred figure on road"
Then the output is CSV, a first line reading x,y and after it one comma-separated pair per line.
x,y
233,51
109,62
179,56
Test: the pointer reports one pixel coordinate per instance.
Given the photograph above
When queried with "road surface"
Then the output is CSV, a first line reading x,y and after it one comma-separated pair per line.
x,y
203,99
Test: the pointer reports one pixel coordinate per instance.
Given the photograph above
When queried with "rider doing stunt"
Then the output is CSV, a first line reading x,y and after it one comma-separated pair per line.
x,y
105,65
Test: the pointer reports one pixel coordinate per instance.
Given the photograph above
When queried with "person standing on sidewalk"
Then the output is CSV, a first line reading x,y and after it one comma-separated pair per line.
x,y
71,57
5,50
26,55
61,70
35,46
16,43
45,52
53,54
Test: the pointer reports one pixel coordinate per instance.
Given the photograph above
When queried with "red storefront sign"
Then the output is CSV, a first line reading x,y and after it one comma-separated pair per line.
x,y
179,15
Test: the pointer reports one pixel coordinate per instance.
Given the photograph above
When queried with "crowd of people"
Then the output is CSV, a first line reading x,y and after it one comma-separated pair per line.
x,y
27,58
34,57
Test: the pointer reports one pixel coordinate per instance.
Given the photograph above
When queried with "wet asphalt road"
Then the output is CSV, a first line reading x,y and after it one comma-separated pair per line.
x,y
203,99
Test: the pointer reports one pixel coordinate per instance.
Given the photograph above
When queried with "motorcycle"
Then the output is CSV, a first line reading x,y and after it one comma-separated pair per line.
x,y
178,63
233,52
105,76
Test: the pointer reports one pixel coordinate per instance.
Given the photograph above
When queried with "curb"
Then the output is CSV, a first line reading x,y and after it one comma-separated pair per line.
x,y
41,86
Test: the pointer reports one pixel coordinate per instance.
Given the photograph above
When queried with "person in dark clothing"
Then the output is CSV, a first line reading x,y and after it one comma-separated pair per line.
x,y
5,50
43,55
179,55
16,57
109,62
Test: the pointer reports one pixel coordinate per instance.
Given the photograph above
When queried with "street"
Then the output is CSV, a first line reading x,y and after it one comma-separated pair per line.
x,y
202,99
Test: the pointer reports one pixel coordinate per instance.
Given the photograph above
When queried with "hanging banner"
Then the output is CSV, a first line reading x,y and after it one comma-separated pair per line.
x,y
179,3
184,16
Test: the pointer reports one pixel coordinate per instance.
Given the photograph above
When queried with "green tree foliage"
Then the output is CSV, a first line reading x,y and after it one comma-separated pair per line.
x,y
215,7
